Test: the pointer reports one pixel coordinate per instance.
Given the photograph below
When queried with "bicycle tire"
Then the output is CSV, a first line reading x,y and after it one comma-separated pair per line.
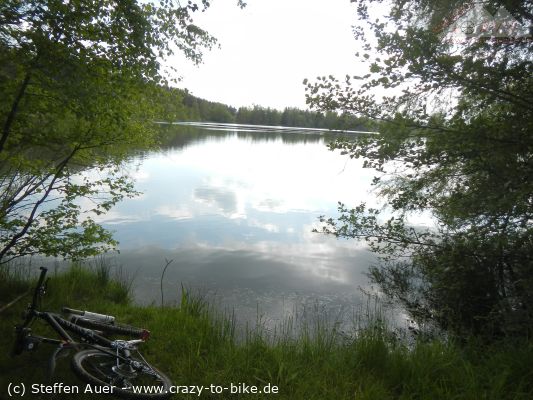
x,y
111,328
88,363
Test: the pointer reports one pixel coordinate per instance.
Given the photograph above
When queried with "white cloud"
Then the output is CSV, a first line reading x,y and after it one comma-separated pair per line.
x,y
175,213
268,48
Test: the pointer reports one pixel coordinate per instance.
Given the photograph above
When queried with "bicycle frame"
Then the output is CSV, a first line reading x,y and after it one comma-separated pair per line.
x,y
107,362
27,341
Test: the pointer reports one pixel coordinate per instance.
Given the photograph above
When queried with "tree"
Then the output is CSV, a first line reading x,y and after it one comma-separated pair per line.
x,y
455,122
79,82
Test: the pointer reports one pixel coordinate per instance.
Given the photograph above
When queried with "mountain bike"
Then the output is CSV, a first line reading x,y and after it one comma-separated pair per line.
x,y
99,360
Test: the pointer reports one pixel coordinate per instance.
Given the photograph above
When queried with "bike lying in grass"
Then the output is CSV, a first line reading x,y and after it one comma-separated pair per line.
x,y
99,360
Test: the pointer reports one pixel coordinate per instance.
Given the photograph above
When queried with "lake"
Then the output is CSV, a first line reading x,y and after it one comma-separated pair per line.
x,y
234,208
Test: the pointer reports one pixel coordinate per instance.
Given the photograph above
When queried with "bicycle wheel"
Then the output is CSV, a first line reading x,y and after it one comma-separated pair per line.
x,y
141,382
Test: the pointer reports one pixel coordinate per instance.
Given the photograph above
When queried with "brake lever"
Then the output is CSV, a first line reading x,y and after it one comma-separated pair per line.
x,y
42,291
45,287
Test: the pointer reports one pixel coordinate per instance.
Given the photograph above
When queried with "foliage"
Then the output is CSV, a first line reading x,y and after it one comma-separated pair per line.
x,y
80,82
295,117
455,139
192,108
203,110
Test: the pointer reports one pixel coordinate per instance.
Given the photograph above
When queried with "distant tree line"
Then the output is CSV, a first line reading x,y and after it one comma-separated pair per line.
x,y
181,105
292,116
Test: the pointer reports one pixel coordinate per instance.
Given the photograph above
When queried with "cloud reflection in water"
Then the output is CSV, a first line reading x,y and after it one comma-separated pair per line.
x,y
235,212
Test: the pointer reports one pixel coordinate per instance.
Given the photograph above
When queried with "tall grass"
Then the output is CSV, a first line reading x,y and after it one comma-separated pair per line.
x,y
197,345
108,272
15,279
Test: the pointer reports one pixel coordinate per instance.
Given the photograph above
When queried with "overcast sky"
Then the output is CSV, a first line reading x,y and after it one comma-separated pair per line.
x,y
268,48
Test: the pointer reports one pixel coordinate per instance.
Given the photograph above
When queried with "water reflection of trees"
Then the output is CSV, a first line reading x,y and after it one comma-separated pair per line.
x,y
179,136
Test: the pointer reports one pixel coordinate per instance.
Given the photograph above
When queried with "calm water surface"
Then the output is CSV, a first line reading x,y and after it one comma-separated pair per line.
x,y
235,208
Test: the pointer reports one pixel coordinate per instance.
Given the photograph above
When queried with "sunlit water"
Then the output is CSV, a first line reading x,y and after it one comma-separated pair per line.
x,y
234,209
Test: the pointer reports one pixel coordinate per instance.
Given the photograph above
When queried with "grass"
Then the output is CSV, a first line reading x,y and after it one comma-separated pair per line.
x,y
194,345
13,281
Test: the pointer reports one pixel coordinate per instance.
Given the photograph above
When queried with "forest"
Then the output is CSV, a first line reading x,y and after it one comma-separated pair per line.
x,y
183,106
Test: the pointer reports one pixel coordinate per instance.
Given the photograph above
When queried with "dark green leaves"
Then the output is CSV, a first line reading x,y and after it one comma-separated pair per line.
x,y
79,83
455,139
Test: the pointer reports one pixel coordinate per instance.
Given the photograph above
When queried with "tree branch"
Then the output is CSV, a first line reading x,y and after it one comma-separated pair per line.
x,y
36,206
12,113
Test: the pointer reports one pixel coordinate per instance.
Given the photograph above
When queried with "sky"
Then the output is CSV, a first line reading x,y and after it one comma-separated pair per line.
x,y
268,48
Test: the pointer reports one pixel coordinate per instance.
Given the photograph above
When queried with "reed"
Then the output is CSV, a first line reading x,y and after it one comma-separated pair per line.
x,y
195,344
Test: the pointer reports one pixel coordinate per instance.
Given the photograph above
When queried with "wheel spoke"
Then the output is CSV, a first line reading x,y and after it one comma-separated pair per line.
x,y
102,368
